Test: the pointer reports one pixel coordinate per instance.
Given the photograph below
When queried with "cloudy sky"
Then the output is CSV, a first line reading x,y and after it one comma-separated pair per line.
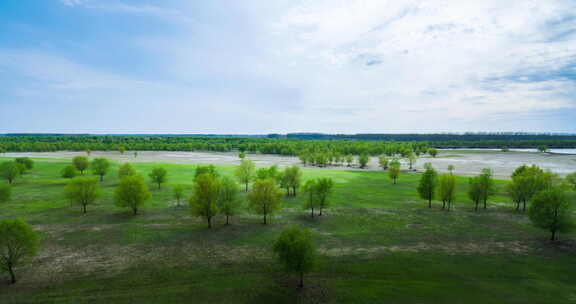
x,y
262,66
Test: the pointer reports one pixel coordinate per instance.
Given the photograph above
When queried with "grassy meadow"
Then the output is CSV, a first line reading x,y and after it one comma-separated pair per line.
x,y
378,243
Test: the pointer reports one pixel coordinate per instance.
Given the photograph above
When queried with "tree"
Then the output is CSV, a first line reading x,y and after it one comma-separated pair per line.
x,y
82,191
178,192
349,159
135,154
242,155
295,251
383,162
10,171
26,163
246,172
88,152
291,179
550,210
228,202
126,169
394,170
475,191
100,167
542,148
5,193
427,186
571,179
265,198
451,169
311,195
411,160
69,172
18,245
432,152
81,163
122,149
324,188
487,185
515,191
447,190
132,193
204,200
363,160
268,173
527,181
210,169
158,176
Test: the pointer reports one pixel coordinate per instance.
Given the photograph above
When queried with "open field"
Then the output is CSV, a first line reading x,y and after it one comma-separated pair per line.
x,y
379,243
466,162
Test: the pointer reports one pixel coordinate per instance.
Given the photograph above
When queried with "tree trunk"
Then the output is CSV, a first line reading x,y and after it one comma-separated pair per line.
x,y
84,208
301,285
294,190
430,203
312,212
553,237
523,205
12,275
264,219
227,220
476,207
320,211
449,205
443,204
484,203
159,186
209,222
135,211
246,187
101,178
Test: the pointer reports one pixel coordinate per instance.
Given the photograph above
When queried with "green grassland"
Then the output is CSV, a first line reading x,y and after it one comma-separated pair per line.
x,y
379,243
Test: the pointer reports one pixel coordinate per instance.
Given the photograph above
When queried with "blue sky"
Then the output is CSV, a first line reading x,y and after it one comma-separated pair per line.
x,y
252,67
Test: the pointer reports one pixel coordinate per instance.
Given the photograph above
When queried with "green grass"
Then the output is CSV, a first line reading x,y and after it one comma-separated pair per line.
x,y
379,243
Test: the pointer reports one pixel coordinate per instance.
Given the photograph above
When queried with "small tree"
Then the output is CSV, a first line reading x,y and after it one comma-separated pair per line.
x,y
432,152
203,202
394,171
82,191
542,148
242,155
126,169
132,193
246,172
135,154
324,188
447,190
228,202
515,192
487,185
265,198
571,179
411,160
291,179
295,250
18,245
69,172
121,149
158,176
81,163
475,191
349,159
88,152
427,185
100,167
311,190
178,192
550,210
26,163
451,169
5,193
10,171
383,162
363,160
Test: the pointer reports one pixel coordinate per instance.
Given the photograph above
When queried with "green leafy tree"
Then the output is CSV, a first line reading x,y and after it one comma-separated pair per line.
x,y
242,155
527,181
411,160
324,187
228,201
383,162
26,163
265,198
451,169
432,152
122,149
246,172
132,192
126,169
487,185
18,245
100,167
10,171
69,172
550,210
290,179
542,148
5,193
178,192
475,191
427,185
158,176
363,160
204,200
394,171
81,163
310,189
82,191
571,179
349,159
447,190
135,154
209,169
271,172
296,251
88,152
